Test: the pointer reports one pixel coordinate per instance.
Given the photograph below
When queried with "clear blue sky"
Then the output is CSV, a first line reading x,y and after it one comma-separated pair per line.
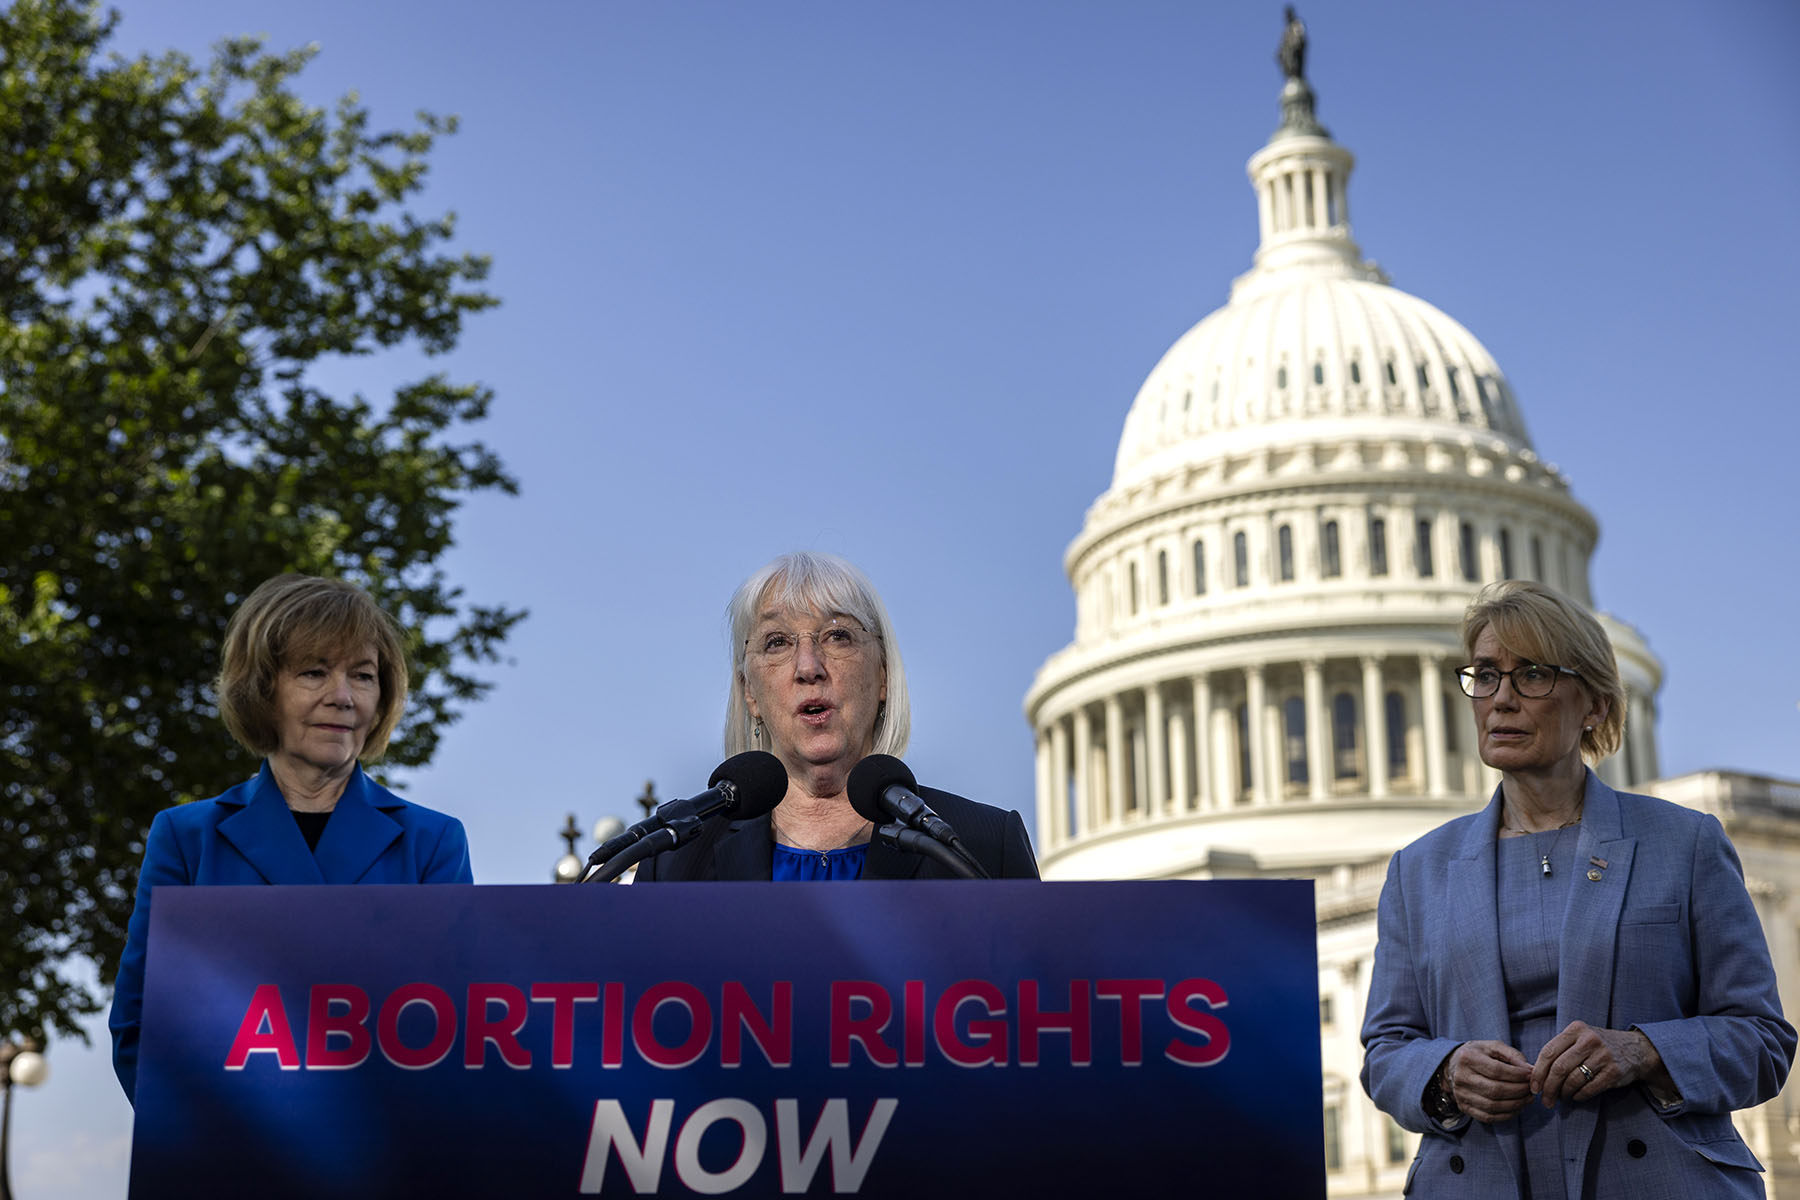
x,y
883,279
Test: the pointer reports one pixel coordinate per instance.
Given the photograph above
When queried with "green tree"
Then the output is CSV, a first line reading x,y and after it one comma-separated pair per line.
x,y
181,246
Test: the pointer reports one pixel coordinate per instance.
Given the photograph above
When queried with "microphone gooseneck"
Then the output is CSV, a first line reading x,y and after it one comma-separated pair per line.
x,y
743,786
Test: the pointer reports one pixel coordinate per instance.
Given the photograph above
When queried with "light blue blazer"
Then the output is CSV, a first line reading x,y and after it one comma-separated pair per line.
x,y
248,836
1666,941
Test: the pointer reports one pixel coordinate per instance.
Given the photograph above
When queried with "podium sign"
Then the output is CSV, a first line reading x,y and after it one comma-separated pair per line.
x,y
877,1039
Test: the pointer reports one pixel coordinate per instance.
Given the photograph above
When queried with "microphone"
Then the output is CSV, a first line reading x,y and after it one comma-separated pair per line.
x,y
911,841
744,785
881,789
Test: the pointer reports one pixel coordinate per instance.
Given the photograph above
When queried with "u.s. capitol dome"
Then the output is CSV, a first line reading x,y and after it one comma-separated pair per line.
x,y
1309,488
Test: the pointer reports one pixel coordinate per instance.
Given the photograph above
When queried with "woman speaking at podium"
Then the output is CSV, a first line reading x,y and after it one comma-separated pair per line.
x,y
816,680
313,679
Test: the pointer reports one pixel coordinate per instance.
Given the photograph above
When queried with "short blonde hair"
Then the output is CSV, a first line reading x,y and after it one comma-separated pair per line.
x,y
827,584
1544,626
293,618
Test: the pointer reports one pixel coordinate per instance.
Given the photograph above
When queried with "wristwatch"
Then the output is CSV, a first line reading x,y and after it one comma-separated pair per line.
x,y
1438,1100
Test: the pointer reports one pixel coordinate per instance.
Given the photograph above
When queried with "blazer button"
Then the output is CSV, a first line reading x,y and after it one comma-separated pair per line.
x,y
1456,1164
1636,1148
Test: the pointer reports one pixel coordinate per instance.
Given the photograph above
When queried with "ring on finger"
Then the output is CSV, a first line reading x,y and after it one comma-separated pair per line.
x,y
1585,1073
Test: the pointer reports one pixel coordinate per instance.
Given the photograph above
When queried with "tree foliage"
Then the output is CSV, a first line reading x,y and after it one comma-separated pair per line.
x,y
181,247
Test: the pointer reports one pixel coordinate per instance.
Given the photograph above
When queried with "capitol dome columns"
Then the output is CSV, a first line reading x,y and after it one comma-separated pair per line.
x,y
1320,767
1335,717
1207,793
1085,808
1431,718
1053,807
1156,803
1375,750
1256,704
1115,761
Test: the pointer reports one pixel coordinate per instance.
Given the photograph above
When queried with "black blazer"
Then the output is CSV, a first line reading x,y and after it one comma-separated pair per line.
x,y
742,850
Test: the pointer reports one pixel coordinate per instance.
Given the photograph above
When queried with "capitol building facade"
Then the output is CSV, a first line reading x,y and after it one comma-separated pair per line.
x,y
1309,489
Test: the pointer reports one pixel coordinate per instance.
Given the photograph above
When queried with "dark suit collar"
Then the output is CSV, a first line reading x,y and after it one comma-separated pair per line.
x,y
889,862
265,833
746,851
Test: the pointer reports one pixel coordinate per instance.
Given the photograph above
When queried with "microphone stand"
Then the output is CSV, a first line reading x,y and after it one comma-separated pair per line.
x,y
912,841
678,831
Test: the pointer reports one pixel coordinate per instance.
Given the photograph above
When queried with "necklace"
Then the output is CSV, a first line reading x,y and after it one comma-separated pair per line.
x,y
1544,860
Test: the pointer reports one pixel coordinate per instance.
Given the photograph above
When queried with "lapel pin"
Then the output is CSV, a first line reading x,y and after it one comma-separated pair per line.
x,y
1598,861
1594,874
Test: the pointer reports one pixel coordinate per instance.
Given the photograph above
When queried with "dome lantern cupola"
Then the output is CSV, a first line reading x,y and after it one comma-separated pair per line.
x,y
1302,182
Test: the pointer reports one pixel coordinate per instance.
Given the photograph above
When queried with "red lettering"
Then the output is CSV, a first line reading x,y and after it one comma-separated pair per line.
x,y
988,1044
612,1026
738,1014
913,1013
643,1024
503,1033
265,1008
847,1028
562,998
1184,1014
443,1035
1131,994
322,1024
1076,1021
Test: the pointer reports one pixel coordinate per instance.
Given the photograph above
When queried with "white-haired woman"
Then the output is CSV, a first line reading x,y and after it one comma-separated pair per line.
x,y
816,680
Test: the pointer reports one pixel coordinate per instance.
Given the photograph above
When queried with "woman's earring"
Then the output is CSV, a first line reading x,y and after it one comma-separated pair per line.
x,y
756,730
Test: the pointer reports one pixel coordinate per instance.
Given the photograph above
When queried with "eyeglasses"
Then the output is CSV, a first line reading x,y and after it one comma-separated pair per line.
x,y
1533,680
838,638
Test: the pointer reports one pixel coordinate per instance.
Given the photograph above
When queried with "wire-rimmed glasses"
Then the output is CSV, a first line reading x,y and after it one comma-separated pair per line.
x,y
838,638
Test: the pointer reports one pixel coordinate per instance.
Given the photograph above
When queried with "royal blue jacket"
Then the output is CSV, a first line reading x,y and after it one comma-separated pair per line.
x,y
248,836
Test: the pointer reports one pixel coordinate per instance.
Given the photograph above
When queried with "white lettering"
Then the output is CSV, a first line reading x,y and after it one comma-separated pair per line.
x,y
800,1155
611,1131
687,1146
849,1163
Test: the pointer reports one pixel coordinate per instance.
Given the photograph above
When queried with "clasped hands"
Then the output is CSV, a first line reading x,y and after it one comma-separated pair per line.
x,y
1491,1081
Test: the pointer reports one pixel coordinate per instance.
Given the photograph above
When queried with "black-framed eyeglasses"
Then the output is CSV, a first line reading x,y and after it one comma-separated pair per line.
x,y
1533,680
838,638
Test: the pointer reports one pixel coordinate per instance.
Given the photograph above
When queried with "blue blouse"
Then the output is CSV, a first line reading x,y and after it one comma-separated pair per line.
x,y
809,866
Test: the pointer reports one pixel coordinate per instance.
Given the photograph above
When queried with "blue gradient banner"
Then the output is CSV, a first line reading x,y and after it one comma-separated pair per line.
x,y
877,1039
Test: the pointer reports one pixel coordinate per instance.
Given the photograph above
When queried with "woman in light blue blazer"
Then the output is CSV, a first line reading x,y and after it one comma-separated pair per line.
x,y
1571,991
313,679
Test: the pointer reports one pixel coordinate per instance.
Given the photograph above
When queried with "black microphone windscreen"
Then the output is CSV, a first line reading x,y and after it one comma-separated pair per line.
x,y
760,779
873,776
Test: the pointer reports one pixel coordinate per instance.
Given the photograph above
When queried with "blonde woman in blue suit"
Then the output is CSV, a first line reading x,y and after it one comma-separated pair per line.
x,y
1572,991
313,679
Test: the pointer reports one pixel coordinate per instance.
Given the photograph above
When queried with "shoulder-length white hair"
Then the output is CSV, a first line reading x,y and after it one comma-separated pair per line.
x,y
827,584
